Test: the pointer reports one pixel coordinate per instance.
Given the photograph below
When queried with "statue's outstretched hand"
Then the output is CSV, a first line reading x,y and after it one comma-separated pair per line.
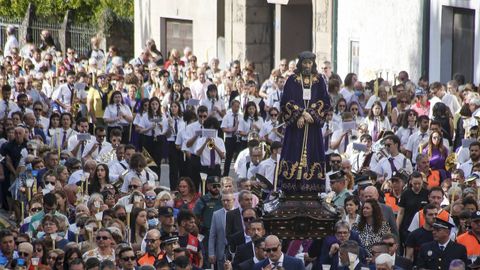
x,y
308,117
300,122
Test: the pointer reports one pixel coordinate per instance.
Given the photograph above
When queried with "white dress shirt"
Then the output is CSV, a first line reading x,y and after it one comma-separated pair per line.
x,y
267,169
112,112
228,121
220,105
205,156
177,125
106,147
400,161
190,133
247,125
146,175
267,129
160,129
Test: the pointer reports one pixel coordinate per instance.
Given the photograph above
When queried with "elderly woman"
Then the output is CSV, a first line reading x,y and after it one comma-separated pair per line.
x,y
51,232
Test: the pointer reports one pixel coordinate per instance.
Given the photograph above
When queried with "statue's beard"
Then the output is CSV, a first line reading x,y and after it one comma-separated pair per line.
x,y
306,71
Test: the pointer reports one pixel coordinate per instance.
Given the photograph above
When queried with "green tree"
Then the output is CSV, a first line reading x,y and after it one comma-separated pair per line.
x,y
84,10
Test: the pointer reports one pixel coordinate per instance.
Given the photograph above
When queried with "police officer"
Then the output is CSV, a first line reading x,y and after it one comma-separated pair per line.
x,y
206,205
441,251
338,185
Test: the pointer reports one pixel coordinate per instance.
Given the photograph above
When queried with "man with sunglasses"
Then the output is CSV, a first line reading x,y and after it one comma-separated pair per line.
x,y
192,159
96,146
387,166
128,260
207,205
391,241
276,258
104,250
25,251
152,248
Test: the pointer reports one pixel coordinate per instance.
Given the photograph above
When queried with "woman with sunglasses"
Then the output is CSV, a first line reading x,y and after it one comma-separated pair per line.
x,y
104,249
271,131
40,251
52,257
407,125
403,104
435,150
356,111
71,254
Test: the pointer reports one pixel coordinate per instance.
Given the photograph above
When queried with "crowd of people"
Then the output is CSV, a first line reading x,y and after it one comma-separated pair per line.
x,y
83,139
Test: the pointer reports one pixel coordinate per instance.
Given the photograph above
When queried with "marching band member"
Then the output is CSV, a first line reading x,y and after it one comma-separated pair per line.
x,y
176,125
271,130
230,124
210,150
251,121
376,121
118,115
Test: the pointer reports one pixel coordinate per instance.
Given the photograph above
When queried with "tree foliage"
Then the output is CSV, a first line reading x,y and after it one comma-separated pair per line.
x,y
84,10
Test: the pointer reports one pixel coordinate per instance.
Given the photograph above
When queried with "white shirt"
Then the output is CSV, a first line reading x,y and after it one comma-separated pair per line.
x,y
463,154
242,158
247,170
274,98
116,169
279,262
12,42
180,126
190,133
12,107
210,106
404,133
332,126
267,129
342,148
145,176
433,101
72,143
160,129
44,122
452,103
199,90
381,125
57,137
228,122
106,147
383,167
246,126
64,94
76,176
357,160
347,94
267,169
466,167
205,156
112,112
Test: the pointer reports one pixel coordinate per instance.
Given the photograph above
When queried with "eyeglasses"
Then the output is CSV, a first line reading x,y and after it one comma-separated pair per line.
x,y
61,81
403,101
216,186
49,182
268,250
129,258
150,240
273,114
151,198
248,219
49,224
52,258
335,161
389,244
133,186
353,109
39,250
435,137
23,254
36,209
104,238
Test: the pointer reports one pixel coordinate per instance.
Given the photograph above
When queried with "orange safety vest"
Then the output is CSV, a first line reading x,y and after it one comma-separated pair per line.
x,y
443,215
391,201
193,245
149,259
433,179
471,243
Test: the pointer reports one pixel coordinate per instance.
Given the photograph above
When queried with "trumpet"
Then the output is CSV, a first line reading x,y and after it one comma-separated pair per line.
x,y
211,143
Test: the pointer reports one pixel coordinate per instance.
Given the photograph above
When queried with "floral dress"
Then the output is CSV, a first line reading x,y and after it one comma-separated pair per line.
x,y
368,237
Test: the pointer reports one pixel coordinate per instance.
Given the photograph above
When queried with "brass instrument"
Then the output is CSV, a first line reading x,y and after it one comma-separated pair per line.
x,y
148,157
211,143
451,162
107,157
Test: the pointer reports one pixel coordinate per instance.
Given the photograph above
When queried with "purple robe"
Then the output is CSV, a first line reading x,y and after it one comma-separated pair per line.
x,y
292,104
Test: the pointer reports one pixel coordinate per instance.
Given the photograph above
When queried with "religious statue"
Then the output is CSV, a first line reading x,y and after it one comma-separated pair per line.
x,y
303,103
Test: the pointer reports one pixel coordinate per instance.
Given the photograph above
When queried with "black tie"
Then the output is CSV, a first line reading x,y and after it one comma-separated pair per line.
x,y
442,248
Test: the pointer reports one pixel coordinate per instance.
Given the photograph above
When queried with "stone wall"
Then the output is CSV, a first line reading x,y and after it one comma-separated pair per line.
x,y
389,33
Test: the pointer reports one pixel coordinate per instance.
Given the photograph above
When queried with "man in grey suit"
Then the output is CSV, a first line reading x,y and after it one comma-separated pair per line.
x,y
371,192
217,239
